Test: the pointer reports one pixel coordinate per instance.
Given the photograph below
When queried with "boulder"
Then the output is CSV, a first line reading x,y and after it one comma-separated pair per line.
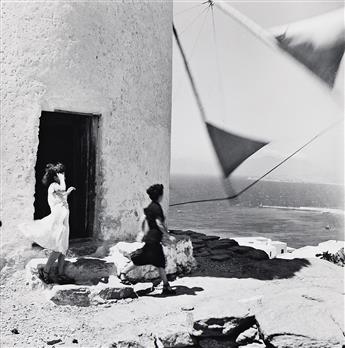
x,y
70,295
179,259
82,271
303,317
117,293
248,336
291,340
228,327
83,296
175,339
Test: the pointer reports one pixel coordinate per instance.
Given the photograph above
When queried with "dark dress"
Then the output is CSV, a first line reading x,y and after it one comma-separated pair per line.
x,y
152,252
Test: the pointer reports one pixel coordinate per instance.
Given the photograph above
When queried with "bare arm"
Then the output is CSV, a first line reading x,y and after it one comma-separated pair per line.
x,y
61,188
163,228
62,185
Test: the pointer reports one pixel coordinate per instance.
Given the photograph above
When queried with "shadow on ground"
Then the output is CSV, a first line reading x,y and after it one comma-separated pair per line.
x,y
224,257
241,267
180,290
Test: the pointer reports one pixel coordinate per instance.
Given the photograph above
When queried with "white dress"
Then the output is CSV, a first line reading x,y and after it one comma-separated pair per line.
x,y
51,232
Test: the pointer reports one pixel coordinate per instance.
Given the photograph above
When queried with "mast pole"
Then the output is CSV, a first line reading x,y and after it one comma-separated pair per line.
x,y
189,73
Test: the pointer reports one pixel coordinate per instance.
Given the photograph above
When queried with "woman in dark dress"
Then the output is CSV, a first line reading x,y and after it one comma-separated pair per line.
x,y
152,252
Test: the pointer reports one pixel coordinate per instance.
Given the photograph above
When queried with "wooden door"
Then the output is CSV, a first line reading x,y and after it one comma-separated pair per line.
x,y
71,139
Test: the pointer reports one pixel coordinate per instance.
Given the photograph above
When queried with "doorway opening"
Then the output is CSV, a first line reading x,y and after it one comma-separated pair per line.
x,y
69,138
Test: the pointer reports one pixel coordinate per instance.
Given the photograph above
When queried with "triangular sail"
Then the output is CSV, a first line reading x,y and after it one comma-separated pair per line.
x,y
231,149
318,43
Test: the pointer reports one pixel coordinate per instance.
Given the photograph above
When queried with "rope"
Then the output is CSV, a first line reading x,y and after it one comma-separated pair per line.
x,y
194,20
187,9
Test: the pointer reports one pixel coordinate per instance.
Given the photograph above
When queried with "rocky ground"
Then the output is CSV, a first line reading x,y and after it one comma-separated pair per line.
x,y
236,297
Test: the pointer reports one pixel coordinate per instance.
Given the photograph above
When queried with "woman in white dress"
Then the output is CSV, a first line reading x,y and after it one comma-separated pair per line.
x,y
52,232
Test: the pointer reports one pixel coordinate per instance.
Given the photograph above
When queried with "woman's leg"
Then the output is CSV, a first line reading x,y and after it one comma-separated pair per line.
x,y
163,276
61,264
167,290
123,273
128,268
52,258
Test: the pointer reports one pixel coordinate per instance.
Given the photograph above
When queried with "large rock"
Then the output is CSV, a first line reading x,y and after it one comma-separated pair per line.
x,y
82,271
302,317
83,296
117,293
248,336
175,339
291,340
179,259
70,295
229,327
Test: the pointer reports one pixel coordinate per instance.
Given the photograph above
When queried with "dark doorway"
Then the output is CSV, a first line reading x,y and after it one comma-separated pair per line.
x,y
69,138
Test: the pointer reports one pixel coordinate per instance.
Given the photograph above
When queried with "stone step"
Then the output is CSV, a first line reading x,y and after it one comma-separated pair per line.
x,y
84,296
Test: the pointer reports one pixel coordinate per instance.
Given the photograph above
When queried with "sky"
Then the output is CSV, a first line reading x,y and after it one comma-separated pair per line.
x,y
234,74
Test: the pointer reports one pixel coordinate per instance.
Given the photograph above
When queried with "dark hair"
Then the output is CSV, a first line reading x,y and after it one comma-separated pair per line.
x,y
155,191
51,171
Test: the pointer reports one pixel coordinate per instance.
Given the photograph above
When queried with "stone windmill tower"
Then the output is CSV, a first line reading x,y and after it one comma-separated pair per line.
x,y
87,84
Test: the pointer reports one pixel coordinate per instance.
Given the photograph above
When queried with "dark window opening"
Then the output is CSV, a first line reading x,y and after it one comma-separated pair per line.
x,y
69,138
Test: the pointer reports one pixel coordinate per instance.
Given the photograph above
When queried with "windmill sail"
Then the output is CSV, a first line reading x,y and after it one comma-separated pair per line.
x,y
260,106
318,43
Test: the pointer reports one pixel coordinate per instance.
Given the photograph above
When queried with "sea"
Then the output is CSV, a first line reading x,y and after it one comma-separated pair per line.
x,y
297,213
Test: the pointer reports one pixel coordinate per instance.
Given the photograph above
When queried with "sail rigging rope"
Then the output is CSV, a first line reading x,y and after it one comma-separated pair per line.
x,y
194,20
203,115
187,9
